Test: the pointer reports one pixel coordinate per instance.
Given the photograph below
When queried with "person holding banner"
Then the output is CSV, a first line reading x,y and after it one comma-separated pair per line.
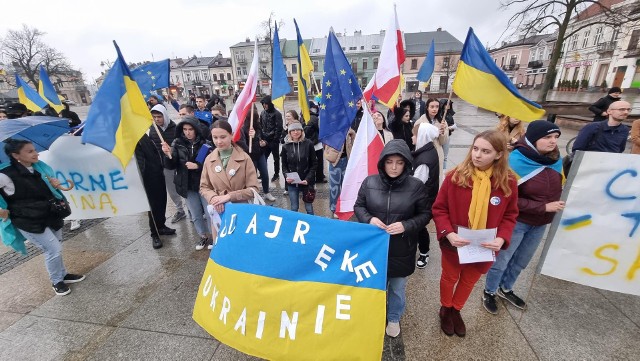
x,y
480,193
182,156
538,166
397,203
28,191
228,174
298,156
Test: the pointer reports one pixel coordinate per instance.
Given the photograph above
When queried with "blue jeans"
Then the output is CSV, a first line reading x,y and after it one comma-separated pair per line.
x,y
336,176
197,206
294,198
49,242
396,298
510,262
261,165
445,151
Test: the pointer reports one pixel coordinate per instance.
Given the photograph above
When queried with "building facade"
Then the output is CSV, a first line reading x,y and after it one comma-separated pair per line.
x,y
515,58
241,58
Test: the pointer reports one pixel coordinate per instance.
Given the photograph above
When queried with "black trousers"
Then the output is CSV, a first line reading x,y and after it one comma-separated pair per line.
x,y
155,188
273,147
423,240
320,169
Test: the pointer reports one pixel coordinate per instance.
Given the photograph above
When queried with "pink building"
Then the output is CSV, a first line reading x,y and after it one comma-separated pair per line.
x,y
516,61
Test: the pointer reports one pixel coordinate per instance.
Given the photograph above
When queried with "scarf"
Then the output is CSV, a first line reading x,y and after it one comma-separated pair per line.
x,y
526,162
225,155
480,193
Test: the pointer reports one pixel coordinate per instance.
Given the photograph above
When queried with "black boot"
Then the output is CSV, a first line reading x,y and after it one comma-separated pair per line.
x,y
156,242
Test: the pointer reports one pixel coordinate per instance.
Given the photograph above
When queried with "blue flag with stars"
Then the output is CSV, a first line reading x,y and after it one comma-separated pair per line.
x,y
151,76
340,93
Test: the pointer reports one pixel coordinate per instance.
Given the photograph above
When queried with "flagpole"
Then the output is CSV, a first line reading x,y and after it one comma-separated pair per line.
x,y
250,129
446,109
155,126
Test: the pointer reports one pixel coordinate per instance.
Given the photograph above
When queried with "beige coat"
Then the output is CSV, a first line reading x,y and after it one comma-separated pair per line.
x,y
333,155
437,143
239,185
635,137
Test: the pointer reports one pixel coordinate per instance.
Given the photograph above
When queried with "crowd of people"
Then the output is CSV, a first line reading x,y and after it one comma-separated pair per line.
x,y
509,182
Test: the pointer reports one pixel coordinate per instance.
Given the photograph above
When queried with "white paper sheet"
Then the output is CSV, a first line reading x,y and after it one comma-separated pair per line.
x,y
295,176
474,252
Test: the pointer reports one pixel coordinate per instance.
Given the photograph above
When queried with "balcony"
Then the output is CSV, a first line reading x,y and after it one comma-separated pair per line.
x,y
633,53
607,47
264,59
241,61
535,64
511,67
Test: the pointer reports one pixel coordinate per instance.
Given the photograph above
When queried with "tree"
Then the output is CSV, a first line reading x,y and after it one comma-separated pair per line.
x,y
449,65
26,51
268,27
536,16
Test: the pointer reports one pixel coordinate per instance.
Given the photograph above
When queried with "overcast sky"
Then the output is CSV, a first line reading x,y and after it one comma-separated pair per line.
x,y
83,29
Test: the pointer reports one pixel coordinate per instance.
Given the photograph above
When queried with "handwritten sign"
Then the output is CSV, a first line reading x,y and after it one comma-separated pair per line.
x,y
595,241
102,187
286,285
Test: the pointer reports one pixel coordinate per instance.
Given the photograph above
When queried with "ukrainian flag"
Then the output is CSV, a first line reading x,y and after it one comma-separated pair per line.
x,y
526,168
29,97
48,92
305,67
480,82
279,83
119,115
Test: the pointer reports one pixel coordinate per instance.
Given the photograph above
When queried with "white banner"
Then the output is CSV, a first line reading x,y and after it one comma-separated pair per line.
x,y
102,188
596,239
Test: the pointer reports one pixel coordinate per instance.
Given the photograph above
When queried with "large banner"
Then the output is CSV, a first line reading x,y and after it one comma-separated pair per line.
x,y
102,188
595,241
283,285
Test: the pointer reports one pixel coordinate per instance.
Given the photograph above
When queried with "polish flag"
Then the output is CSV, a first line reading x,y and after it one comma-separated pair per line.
x,y
363,162
385,85
245,100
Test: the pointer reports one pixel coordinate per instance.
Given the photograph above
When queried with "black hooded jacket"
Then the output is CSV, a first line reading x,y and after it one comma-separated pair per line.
x,y
271,121
600,106
400,129
182,151
400,199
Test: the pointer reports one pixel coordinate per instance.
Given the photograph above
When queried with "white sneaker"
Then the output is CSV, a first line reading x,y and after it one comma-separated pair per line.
x,y
74,225
269,197
393,329
285,193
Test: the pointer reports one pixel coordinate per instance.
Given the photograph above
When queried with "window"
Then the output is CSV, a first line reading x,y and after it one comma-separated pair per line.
x,y
445,62
375,46
365,64
244,70
354,65
228,76
187,76
585,41
596,39
633,42
294,68
196,75
362,47
502,61
315,50
375,63
534,54
574,42
414,64
514,60
295,85
238,71
353,48
214,77
315,65
205,75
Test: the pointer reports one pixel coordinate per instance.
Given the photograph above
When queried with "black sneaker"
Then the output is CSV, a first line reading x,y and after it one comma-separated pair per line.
x,y
512,298
204,241
61,289
72,278
156,242
422,261
166,231
275,178
489,303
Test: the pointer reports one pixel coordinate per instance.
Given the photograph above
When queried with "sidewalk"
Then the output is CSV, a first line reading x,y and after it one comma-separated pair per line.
x,y
136,302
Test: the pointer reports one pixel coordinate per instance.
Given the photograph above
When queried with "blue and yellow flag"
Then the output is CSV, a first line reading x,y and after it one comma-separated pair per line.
x,y
480,82
119,115
28,96
429,64
526,168
305,67
340,94
48,92
277,286
279,82
151,77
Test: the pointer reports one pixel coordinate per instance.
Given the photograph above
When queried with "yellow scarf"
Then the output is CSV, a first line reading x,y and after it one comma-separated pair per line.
x,y
479,207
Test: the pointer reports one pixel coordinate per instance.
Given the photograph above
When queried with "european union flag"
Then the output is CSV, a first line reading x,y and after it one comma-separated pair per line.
x,y
152,76
340,93
119,115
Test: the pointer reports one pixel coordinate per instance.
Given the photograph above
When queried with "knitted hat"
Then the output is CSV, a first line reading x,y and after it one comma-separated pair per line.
x,y
540,129
294,126
615,89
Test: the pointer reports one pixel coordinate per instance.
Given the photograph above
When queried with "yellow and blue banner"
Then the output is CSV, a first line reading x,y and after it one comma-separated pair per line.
x,y
277,285
48,92
527,168
279,83
28,96
480,82
305,67
119,115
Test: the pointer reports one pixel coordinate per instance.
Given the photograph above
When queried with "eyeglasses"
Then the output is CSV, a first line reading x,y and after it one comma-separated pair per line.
x,y
623,109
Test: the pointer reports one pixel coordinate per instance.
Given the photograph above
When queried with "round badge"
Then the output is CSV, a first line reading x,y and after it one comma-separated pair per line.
x,y
218,169
495,201
232,172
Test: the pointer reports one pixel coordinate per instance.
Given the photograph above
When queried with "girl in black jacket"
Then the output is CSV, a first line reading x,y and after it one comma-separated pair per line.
x,y
397,203
298,156
183,152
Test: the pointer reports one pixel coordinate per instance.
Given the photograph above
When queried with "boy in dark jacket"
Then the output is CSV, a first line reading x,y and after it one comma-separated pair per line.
x,y
271,122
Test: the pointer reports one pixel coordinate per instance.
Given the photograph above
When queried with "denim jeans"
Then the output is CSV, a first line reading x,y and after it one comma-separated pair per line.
x,y
445,151
336,176
510,262
272,148
294,198
49,242
197,206
261,166
169,175
396,298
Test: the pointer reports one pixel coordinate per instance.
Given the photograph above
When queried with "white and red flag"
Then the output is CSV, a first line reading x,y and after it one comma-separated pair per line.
x,y
245,100
363,162
386,83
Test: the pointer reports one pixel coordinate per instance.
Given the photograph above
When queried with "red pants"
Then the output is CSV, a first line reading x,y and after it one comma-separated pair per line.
x,y
465,275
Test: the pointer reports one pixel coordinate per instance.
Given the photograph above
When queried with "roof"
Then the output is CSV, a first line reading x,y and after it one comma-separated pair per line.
x,y
176,63
532,40
290,47
220,62
361,43
419,43
596,9
201,61
249,42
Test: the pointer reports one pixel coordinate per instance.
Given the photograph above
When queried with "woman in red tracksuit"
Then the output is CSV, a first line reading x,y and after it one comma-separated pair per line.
x,y
480,193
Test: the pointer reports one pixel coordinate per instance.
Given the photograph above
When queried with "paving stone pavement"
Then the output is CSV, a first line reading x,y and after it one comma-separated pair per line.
x,y
136,302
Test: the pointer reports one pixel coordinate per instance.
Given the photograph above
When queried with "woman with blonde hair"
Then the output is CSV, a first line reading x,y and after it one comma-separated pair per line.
x,y
479,193
512,128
